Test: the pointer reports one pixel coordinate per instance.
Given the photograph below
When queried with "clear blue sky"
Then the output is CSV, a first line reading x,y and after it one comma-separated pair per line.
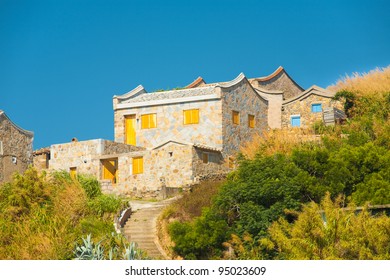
x,y
62,61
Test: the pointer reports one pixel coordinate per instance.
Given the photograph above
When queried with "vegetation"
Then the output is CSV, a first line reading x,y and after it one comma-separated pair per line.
x,y
119,249
255,214
327,231
42,216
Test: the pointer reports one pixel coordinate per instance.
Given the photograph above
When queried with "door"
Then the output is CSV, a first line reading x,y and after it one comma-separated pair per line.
x,y
73,172
130,135
110,167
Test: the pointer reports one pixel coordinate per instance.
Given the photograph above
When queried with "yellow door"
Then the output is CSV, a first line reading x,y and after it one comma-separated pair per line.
x,y
73,172
130,130
109,170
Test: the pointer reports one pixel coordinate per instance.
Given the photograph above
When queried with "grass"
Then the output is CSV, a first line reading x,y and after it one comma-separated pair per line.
x,y
277,140
375,82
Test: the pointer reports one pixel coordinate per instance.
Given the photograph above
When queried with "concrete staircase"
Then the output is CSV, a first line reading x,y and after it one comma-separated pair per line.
x,y
141,226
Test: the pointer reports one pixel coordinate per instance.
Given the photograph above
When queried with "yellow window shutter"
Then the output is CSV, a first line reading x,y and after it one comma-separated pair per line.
x,y
191,116
251,121
195,116
149,121
152,121
144,121
186,117
236,117
138,165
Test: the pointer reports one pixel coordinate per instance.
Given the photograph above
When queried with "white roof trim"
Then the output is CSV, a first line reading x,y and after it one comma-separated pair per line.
x,y
133,93
233,82
312,90
168,101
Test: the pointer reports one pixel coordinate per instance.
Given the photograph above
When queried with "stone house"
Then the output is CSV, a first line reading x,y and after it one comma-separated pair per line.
x,y
15,148
176,138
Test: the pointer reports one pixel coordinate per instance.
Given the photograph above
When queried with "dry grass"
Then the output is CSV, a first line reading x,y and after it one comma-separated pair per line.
x,y
278,141
374,83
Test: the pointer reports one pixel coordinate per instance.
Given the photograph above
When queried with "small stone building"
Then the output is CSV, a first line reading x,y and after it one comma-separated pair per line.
x,y
16,145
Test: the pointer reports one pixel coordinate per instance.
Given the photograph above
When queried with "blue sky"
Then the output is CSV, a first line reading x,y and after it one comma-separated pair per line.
x,y
62,61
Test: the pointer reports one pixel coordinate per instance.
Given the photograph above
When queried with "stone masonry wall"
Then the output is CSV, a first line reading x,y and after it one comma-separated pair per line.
x,y
303,108
16,144
216,164
85,155
282,82
244,99
170,124
167,166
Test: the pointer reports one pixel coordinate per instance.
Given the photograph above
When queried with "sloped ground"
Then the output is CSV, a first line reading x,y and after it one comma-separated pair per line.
x,y
141,226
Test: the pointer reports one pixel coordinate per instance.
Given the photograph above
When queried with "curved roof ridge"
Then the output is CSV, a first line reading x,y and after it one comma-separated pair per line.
x,y
313,89
268,91
273,75
196,82
133,93
27,132
233,82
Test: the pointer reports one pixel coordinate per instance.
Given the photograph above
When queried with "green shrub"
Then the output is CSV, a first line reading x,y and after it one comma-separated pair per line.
x,y
105,204
91,185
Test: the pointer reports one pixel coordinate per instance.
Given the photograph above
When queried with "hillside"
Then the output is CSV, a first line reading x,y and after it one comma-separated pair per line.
x,y
261,207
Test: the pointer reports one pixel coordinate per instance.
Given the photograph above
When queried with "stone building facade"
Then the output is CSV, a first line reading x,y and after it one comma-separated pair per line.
x,y
176,138
15,148
307,108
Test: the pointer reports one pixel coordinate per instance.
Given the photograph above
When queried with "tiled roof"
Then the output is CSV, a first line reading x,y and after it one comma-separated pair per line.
x,y
171,94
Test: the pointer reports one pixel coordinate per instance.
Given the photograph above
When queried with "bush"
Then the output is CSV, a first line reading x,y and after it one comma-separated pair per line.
x,y
105,204
91,185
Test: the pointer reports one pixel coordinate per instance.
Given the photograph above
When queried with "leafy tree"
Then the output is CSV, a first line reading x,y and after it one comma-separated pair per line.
x,y
200,239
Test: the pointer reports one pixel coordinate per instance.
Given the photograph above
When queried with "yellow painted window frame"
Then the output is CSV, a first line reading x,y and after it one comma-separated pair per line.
x,y
236,117
138,165
251,121
148,121
191,116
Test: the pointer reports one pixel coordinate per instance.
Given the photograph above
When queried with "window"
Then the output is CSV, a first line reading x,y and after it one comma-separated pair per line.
x,y
251,121
316,108
296,121
205,158
73,172
191,116
138,165
110,167
148,121
236,117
